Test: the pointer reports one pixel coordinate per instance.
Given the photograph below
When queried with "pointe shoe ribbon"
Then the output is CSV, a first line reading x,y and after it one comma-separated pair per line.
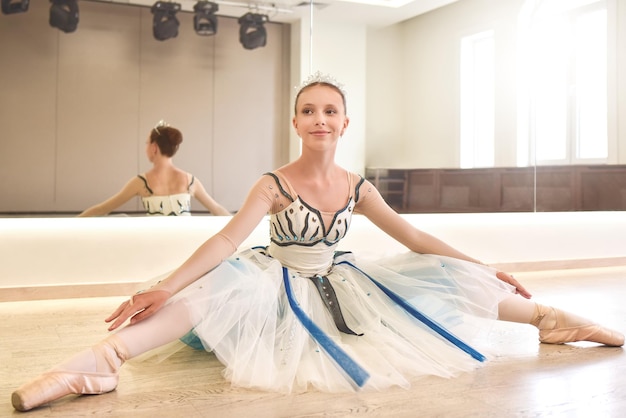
x,y
561,335
55,384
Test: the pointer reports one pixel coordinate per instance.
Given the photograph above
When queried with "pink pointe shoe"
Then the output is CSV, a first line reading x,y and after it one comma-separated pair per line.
x,y
563,332
58,383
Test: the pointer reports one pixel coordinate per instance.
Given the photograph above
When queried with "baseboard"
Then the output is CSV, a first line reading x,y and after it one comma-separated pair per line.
x,y
528,266
13,294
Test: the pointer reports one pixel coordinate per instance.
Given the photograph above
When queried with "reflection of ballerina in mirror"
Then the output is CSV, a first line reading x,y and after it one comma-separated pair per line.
x,y
164,189
299,313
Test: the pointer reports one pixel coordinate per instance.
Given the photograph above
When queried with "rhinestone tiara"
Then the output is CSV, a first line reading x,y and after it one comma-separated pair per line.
x,y
160,124
319,77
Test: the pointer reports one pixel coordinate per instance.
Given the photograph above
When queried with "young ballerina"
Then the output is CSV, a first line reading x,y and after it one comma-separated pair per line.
x,y
298,313
164,189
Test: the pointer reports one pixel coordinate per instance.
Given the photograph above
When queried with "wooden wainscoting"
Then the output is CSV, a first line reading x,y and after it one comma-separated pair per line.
x,y
503,189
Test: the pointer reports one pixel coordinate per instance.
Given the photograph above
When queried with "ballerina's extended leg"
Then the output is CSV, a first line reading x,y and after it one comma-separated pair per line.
x,y
95,370
557,326
92,371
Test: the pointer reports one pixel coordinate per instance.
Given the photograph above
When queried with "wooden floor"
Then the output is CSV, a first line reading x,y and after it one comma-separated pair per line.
x,y
526,379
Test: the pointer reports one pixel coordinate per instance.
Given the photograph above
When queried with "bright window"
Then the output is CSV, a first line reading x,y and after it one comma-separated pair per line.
x,y
565,71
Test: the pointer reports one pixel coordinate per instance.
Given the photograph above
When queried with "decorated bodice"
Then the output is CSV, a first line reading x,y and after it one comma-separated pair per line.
x,y
301,239
167,205
170,205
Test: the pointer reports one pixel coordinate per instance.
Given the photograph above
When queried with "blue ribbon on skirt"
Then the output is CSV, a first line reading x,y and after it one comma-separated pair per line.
x,y
358,374
420,316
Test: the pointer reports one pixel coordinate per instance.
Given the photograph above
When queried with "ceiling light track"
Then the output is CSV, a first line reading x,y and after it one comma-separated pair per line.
x,y
188,5
64,15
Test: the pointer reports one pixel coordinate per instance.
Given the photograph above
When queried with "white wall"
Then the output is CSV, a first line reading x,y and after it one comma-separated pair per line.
x,y
339,50
385,85
621,80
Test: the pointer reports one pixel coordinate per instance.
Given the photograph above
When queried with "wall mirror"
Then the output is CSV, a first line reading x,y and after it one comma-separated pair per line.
x,y
468,108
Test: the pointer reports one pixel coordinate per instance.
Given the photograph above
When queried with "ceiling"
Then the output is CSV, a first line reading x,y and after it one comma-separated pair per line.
x,y
377,13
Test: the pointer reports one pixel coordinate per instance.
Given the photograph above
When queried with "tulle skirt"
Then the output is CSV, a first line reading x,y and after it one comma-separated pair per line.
x,y
273,330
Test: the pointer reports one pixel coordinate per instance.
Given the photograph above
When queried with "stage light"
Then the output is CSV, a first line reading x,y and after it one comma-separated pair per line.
x,y
64,15
165,24
252,33
204,19
10,7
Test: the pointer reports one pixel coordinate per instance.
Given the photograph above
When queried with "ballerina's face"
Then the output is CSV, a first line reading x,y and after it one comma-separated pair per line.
x,y
320,114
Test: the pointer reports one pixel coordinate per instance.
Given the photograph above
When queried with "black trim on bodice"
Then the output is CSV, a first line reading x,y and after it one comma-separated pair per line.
x,y
280,186
312,229
145,182
183,207
356,189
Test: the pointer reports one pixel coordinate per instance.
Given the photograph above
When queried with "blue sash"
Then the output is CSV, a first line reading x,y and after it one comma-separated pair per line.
x,y
358,375
420,316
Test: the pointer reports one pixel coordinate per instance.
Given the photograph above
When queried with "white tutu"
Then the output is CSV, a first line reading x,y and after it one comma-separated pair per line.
x,y
247,320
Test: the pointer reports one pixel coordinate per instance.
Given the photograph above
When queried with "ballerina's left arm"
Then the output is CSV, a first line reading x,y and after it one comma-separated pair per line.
x,y
373,206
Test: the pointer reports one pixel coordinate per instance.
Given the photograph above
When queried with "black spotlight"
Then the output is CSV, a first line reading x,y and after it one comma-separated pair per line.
x,y
10,7
165,24
205,20
64,15
252,33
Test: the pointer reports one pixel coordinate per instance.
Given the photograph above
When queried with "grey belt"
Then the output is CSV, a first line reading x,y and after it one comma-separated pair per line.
x,y
327,293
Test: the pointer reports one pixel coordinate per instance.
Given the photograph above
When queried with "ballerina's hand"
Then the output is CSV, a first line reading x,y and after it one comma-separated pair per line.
x,y
508,278
138,307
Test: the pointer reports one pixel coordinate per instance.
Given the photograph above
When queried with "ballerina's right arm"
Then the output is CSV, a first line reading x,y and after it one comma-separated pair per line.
x,y
216,249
